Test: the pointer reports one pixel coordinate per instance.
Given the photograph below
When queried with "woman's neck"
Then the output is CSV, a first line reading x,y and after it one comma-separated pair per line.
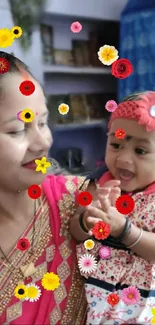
x,y
15,206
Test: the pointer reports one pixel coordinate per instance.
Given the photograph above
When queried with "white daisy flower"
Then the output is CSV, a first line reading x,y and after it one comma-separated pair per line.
x,y
34,292
87,263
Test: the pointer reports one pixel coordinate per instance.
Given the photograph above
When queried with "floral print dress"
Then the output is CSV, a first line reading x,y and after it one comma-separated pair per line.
x,y
121,290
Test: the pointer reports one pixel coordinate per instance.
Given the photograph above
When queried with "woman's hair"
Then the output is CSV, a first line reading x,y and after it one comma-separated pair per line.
x,y
15,66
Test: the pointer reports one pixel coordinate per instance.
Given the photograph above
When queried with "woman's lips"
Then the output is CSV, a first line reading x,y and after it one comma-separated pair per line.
x,y
30,165
124,174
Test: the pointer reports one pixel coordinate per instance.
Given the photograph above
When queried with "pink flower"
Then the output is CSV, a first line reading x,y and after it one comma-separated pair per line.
x,y
76,27
146,111
130,295
111,105
105,252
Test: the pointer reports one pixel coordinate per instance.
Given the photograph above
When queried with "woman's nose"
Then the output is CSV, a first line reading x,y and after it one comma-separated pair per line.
x,y
40,141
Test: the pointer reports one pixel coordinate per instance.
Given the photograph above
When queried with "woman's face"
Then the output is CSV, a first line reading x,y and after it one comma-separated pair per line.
x,y
22,142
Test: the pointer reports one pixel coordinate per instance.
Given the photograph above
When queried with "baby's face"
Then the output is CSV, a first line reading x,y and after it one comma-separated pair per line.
x,y
22,142
131,160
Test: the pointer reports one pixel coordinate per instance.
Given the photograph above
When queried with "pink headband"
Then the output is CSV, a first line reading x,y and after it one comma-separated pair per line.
x,y
142,110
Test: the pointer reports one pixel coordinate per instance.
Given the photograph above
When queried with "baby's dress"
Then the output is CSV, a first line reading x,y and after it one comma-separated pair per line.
x,y
122,288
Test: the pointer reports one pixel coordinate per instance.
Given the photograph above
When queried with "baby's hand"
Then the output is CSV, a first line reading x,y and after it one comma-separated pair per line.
x,y
110,190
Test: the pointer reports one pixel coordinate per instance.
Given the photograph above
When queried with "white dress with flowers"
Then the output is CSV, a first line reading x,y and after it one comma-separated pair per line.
x,y
121,289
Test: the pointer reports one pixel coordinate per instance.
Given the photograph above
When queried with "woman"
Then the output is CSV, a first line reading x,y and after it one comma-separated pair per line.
x,y
39,284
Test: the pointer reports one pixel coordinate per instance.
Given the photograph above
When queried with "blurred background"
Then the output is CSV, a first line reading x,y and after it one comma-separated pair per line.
x,y
67,66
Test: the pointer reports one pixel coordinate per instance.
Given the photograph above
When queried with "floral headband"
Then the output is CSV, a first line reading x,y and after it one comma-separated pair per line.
x,y
142,110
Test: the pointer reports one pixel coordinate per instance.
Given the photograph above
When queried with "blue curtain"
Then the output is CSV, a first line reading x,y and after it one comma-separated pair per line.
x,y
137,43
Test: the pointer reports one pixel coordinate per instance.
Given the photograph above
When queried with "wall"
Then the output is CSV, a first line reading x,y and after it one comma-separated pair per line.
x,y
33,57
101,9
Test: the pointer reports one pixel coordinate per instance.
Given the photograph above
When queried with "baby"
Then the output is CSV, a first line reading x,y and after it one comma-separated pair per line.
x,y
120,270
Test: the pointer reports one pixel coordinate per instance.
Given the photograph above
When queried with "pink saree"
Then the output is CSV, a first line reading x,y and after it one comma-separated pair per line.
x,y
55,251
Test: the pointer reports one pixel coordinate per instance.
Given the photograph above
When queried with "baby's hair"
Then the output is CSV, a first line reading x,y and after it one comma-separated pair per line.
x,y
135,96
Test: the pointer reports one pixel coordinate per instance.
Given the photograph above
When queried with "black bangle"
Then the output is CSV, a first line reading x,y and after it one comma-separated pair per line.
x,y
81,224
126,230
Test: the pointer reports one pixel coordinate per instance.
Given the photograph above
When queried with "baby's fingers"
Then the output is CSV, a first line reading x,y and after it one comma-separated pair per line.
x,y
114,195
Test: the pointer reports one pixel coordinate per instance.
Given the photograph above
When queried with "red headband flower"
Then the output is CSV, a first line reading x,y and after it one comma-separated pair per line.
x,y
120,134
122,68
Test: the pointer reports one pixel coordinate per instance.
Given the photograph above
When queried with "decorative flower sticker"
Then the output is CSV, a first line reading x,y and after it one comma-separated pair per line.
x,y
16,31
34,191
120,134
27,116
111,106
107,54
153,318
33,293
105,252
63,109
42,165
89,244
27,87
125,204
18,116
113,299
21,292
101,230
130,295
50,281
87,264
6,38
122,68
76,27
23,244
84,198
4,65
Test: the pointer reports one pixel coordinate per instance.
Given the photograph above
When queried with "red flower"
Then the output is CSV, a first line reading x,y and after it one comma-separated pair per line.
x,y
23,244
34,191
113,299
84,198
27,87
125,204
4,65
120,134
121,68
101,230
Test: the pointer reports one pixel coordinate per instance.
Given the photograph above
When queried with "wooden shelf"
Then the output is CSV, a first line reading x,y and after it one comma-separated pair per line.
x,y
76,70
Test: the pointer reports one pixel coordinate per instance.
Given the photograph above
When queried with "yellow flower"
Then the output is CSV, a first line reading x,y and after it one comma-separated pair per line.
x,y
50,281
42,165
34,292
21,291
153,320
89,244
107,54
6,37
153,311
27,115
16,31
63,109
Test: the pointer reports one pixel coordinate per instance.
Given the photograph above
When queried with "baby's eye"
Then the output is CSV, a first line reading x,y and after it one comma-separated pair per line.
x,y
140,151
115,145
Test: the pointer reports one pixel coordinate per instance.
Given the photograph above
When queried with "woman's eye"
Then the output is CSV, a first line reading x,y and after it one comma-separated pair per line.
x,y
16,132
140,151
115,145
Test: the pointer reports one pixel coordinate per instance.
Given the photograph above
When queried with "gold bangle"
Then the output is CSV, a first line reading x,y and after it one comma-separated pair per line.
x,y
137,240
